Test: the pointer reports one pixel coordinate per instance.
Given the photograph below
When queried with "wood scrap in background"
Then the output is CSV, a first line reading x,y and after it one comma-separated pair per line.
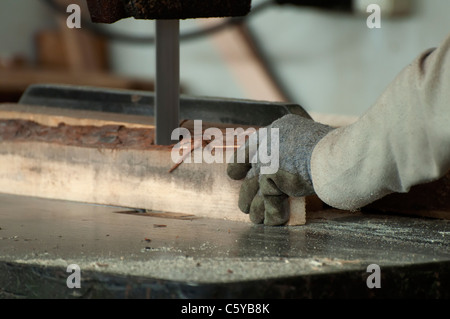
x,y
75,50
65,56
71,50
248,69
13,82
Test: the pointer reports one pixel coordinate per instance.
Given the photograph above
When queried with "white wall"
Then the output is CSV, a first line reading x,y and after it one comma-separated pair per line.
x,y
332,63
335,64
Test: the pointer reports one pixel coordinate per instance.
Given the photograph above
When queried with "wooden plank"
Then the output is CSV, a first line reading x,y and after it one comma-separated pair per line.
x,y
103,168
245,66
126,178
54,51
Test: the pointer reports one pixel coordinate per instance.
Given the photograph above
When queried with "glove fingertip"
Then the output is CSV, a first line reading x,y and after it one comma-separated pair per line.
x,y
237,171
247,193
257,210
276,210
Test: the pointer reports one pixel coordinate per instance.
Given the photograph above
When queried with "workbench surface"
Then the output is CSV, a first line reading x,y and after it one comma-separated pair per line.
x,y
130,254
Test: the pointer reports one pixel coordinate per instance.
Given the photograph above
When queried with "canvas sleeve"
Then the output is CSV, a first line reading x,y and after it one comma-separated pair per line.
x,y
401,141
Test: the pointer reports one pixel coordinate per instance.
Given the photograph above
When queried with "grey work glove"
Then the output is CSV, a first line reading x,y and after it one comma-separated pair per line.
x,y
264,194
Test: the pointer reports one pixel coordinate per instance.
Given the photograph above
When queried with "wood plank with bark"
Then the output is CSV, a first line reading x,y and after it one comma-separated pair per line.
x,y
112,164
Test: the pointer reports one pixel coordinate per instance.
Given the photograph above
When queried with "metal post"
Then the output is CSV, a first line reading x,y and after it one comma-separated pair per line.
x,y
167,106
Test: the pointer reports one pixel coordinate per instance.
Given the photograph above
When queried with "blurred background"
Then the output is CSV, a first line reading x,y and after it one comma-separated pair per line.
x,y
329,62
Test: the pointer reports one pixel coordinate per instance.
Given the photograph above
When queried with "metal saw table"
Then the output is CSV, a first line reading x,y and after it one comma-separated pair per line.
x,y
131,254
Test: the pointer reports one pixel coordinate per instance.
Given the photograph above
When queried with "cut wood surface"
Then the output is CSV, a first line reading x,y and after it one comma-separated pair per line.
x,y
112,165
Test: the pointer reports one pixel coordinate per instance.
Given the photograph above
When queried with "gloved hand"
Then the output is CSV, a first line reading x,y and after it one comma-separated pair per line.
x,y
264,196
